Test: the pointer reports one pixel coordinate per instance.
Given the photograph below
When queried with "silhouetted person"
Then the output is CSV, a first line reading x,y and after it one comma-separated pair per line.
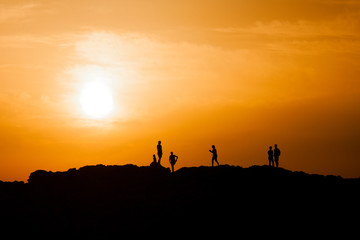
x,y
159,151
172,159
214,157
271,157
154,163
276,155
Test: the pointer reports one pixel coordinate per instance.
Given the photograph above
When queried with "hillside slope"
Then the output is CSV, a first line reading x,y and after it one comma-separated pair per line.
x,y
104,200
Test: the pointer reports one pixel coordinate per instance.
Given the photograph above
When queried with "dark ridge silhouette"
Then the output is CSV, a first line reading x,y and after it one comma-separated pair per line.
x,y
103,201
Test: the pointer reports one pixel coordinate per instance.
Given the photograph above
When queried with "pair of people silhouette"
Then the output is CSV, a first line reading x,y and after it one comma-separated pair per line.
x,y
274,155
173,158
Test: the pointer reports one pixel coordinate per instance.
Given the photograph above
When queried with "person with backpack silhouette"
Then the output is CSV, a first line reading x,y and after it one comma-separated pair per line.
x,y
214,157
159,151
276,155
173,159
271,157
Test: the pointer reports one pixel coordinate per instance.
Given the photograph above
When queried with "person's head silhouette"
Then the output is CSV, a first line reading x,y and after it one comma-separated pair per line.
x,y
270,147
213,146
172,153
159,142
275,145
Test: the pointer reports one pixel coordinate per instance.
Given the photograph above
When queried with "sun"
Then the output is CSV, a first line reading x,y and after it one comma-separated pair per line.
x,y
96,100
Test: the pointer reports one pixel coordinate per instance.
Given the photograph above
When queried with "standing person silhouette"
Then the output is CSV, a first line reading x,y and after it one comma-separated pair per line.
x,y
276,155
214,157
159,151
173,159
271,157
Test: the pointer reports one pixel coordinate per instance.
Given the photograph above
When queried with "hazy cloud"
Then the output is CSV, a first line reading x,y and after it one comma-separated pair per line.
x,y
18,11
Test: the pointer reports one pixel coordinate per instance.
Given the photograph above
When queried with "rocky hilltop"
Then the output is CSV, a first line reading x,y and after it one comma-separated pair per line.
x,y
105,200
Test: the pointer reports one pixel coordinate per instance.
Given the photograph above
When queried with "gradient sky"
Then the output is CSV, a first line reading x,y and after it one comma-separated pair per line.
x,y
240,74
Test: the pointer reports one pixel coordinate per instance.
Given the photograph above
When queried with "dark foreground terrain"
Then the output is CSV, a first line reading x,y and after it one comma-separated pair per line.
x,y
98,201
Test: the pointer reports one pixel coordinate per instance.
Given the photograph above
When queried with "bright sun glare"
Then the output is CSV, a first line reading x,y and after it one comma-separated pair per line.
x,y
96,100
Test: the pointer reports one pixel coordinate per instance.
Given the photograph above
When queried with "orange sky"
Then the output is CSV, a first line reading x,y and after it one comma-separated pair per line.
x,y
240,74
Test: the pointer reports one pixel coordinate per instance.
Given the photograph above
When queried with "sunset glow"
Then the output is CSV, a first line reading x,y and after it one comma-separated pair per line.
x,y
96,100
101,82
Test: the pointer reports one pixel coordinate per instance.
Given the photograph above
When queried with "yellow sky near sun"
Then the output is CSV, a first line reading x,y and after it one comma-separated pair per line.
x,y
242,75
